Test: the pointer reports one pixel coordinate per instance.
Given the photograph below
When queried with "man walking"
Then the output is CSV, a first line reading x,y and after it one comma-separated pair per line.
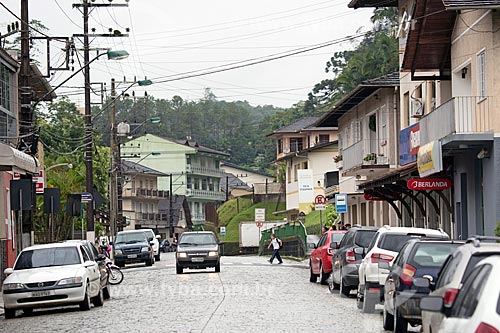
x,y
276,243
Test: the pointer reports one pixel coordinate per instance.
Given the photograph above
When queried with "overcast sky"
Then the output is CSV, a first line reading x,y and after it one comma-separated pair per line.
x,y
169,37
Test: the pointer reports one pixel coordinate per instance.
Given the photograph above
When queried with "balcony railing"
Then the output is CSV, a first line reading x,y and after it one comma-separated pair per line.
x,y
204,171
354,155
146,193
459,115
204,194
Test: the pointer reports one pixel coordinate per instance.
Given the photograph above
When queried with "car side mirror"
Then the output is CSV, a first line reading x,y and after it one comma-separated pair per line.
x,y
432,304
384,265
100,257
8,271
150,239
88,263
421,283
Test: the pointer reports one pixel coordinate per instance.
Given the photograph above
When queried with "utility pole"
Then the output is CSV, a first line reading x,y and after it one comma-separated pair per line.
x,y
113,190
89,184
171,215
26,125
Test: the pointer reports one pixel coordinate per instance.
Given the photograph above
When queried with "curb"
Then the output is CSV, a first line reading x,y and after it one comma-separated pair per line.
x,y
298,259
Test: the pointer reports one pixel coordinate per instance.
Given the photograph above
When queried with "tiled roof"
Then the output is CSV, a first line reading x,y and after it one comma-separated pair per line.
x,y
194,144
298,125
130,167
471,4
372,3
235,166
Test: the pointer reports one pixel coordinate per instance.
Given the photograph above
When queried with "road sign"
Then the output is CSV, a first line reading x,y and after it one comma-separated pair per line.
x,y
341,203
320,199
259,224
40,182
319,207
223,231
86,197
260,215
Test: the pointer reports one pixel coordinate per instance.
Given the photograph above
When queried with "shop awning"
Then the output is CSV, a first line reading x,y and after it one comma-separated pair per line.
x,y
15,160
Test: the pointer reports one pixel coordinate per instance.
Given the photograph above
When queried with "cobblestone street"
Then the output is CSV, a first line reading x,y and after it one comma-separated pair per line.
x,y
249,295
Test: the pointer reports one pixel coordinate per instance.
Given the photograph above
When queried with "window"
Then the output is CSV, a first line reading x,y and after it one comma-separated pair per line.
x,y
189,184
196,184
280,146
153,208
84,254
296,144
305,165
289,173
481,74
204,184
448,270
468,296
140,207
5,87
295,172
323,240
324,138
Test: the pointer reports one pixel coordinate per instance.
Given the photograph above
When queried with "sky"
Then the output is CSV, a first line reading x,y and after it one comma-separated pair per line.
x,y
169,40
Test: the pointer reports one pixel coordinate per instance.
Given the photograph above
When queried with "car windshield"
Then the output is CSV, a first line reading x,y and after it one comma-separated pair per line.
x,y
474,259
337,237
131,237
197,239
432,254
56,256
363,238
394,242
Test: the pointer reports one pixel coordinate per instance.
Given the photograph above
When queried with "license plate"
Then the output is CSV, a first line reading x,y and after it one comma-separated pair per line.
x,y
197,259
131,256
41,293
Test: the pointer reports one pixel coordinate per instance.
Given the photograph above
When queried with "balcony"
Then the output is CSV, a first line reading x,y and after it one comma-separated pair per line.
x,y
146,193
151,218
465,118
198,219
206,195
354,163
204,171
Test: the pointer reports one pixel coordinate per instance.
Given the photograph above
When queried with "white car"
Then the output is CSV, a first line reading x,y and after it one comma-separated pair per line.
x,y
476,307
156,243
52,275
384,247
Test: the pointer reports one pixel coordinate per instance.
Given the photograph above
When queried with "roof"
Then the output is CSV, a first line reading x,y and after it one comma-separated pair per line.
x,y
235,166
358,95
40,85
233,183
372,3
179,202
130,167
470,4
308,150
428,45
202,149
297,126
51,245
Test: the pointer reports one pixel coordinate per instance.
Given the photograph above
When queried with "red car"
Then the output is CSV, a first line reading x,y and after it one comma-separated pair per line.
x,y
320,262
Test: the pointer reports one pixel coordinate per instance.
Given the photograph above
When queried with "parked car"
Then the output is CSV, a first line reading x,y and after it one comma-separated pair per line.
x,y
133,246
52,275
156,243
197,249
311,242
418,258
94,255
320,260
166,246
455,270
347,258
476,308
385,246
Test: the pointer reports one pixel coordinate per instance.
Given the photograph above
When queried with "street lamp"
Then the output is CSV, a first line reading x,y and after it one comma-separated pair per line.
x,y
69,165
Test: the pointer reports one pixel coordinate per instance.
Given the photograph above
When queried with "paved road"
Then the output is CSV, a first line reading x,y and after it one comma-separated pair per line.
x,y
249,295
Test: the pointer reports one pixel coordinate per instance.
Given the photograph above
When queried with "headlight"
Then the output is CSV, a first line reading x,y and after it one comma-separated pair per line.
x,y
118,252
182,254
145,249
72,280
13,286
213,254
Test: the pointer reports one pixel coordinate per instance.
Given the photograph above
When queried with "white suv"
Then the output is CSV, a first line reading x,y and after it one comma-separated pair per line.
x,y
156,243
384,247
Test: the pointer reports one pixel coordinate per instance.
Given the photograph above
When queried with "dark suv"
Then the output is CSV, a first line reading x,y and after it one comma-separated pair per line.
x,y
346,261
197,249
417,259
133,247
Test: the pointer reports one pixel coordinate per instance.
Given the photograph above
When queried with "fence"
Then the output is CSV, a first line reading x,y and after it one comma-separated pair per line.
x,y
292,234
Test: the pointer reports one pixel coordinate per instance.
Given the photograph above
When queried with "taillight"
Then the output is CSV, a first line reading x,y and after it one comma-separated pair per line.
x,y
350,258
407,275
449,297
485,328
377,257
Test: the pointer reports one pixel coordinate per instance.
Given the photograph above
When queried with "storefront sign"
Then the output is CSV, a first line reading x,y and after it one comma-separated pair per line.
x,y
409,144
428,184
369,197
429,159
306,188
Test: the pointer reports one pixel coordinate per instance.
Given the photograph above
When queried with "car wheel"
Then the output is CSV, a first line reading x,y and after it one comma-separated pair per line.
x,y
324,276
217,268
388,320
400,324
314,277
9,313
99,299
85,303
369,301
157,258
106,293
179,269
345,291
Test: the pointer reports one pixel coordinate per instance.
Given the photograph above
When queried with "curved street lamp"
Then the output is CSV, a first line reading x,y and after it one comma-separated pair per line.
x,y
69,165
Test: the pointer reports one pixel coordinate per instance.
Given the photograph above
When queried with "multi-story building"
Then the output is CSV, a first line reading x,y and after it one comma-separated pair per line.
x,y
448,56
306,152
367,120
189,169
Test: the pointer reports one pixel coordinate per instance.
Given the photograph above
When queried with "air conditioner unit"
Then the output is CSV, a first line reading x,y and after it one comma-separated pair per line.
x,y
417,108
286,150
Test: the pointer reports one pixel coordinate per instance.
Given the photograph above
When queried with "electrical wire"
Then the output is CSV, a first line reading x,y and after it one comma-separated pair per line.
x,y
65,14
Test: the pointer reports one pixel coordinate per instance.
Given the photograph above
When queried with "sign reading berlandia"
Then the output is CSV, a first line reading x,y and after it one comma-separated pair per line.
x,y
428,184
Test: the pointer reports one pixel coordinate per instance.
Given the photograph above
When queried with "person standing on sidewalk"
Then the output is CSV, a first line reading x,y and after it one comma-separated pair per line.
x,y
276,243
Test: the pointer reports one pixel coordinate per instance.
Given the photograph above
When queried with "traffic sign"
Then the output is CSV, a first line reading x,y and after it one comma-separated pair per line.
x,y
341,203
260,215
86,197
319,207
223,231
259,224
320,199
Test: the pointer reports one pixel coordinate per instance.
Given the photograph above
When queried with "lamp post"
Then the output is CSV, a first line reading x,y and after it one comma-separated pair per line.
x,y
69,165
